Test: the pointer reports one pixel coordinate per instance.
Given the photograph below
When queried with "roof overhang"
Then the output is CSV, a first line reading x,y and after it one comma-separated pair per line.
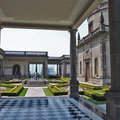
x,y
45,14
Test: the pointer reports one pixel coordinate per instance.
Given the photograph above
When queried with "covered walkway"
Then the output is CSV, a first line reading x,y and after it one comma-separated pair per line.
x,y
61,15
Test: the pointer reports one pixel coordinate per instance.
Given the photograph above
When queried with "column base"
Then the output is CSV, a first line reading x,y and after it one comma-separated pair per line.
x,y
74,93
113,105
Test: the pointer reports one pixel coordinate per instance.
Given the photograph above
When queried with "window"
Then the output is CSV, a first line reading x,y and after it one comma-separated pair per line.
x,y
96,66
80,67
91,26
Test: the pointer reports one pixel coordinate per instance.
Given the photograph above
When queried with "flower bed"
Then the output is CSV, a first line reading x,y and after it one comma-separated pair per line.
x,y
16,89
62,85
91,86
56,81
12,82
57,91
93,94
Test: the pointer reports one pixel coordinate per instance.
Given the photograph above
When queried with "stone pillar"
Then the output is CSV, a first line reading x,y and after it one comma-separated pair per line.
x,y
45,69
73,76
25,69
57,69
0,47
113,95
64,69
0,37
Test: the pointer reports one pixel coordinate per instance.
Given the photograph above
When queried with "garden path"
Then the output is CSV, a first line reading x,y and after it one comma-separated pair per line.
x,y
35,92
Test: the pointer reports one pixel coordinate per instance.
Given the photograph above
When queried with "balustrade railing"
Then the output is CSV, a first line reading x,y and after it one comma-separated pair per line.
x,y
25,53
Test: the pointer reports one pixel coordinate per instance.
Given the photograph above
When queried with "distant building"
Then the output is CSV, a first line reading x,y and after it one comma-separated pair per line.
x,y
15,62
93,51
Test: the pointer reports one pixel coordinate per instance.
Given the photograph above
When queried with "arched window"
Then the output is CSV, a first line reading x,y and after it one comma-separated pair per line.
x,y
80,67
16,69
96,66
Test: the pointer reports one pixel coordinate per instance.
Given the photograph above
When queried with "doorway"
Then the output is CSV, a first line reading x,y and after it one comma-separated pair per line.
x,y
16,69
87,71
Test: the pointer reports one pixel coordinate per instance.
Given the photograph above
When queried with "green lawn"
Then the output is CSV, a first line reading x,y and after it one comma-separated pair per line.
x,y
47,92
23,92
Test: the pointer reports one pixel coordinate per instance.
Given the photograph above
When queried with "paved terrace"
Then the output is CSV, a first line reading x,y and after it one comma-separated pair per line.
x,y
44,109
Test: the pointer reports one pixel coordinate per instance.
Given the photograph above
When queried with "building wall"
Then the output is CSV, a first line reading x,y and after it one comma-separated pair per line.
x,y
8,67
90,51
95,45
95,17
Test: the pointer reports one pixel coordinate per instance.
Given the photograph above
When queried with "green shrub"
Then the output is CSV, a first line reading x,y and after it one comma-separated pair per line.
x,y
62,85
7,85
54,81
57,91
16,89
91,86
88,93
54,76
65,79
81,92
105,88
93,94
9,82
98,97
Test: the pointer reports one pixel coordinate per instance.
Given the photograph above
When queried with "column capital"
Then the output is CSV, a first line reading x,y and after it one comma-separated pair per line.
x,y
73,30
1,28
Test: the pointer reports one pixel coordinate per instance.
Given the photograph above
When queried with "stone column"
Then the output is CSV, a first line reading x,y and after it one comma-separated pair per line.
x,y
57,69
0,47
45,69
113,95
0,37
73,76
25,69
64,71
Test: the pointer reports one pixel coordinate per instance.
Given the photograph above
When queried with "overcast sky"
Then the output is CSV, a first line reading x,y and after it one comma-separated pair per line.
x,y
56,43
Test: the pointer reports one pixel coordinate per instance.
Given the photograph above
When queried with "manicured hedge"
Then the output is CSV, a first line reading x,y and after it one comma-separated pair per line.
x,y
57,91
54,81
98,97
9,82
62,85
93,94
65,79
88,93
7,85
91,86
16,89
81,92
105,88
54,76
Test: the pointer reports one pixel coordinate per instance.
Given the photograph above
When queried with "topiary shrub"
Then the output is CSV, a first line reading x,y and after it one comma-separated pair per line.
x,y
16,89
81,92
98,97
91,86
57,91
53,76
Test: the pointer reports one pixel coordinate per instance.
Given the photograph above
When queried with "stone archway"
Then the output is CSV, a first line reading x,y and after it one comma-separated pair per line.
x,y
16,69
